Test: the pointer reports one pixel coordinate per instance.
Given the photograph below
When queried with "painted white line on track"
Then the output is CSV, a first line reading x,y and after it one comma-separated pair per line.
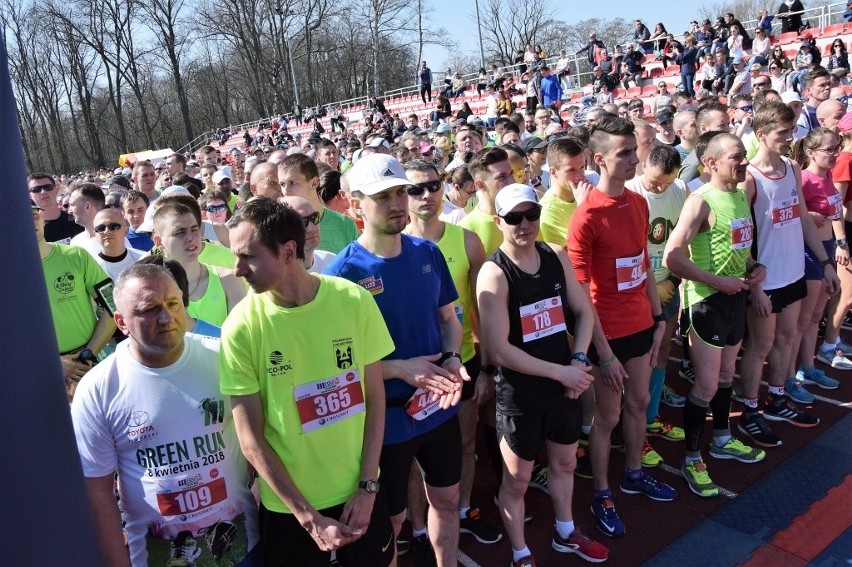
x,y
465,560
670,469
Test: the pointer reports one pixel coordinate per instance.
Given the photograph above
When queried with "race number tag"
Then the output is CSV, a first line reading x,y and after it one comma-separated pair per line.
x,y
188,497
742,233
835,202
542,318
785,212
422,404
630,272
329,401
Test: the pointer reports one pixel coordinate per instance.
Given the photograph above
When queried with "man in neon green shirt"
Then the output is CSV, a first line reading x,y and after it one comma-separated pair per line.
x,y
301,358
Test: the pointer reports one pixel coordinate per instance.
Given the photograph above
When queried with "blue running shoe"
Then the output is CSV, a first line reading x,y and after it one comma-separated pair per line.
x,y
603,509
649,486
794,390
816,377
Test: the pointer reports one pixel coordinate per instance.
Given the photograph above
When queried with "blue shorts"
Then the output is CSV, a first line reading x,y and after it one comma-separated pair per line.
x,y
813,268
672,306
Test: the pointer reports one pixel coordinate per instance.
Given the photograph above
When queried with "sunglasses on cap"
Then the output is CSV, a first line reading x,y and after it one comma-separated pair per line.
x,y
216,208
419,189
112,227
515,218
42,188
313,218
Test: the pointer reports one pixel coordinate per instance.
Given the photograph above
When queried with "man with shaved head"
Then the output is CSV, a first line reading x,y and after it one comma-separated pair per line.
x,y
264,181
829,112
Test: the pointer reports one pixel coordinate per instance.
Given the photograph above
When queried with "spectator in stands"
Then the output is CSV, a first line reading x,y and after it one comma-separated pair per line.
x,y
790,13
532,89
724,72
641,35
459,85
839,58
658,39
563,71
551,89
600,77
464,111
636,109
606,63
662,98
735,42
592,49
631,67
604,95
721,39
425,82
743,81
687,57
764,22
704,38
481,81
760,47
443,109
804,60
730,20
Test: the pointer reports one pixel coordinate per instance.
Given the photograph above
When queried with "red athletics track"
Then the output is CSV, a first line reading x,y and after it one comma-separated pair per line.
x,y
654,528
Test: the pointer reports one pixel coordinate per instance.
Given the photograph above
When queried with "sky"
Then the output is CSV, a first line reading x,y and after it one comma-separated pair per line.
x,y
459,18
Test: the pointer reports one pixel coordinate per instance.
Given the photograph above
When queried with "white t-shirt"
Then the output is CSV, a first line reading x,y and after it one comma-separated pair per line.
x,y
322,258
664,209
182,478
91,244
452,213
114,269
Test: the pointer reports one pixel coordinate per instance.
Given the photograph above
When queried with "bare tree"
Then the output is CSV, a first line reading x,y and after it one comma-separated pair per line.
x,y
508,26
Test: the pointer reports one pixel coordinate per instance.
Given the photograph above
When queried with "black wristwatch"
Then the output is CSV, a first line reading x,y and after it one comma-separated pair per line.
x,y
86,356
827,262
842,242
369,486
491,370
448,355
582,357
661,318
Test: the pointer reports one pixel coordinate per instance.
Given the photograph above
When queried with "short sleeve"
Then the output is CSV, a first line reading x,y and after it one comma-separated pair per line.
x,y
95,442
580,245
238,374
378,341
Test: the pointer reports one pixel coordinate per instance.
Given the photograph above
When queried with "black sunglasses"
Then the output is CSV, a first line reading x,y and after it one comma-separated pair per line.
x,y
515,218
42,188
112,227
216,208
418,189
313,218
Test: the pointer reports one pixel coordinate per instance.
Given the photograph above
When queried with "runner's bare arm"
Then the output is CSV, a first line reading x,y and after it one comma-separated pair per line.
x,y
235,291
249,420
107,520
812,239
578,302
102,334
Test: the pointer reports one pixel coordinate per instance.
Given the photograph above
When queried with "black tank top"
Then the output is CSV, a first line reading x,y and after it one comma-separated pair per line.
x,y
539,324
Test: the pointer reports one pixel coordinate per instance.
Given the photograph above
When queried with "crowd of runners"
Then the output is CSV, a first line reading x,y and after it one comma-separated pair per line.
x,y
279,357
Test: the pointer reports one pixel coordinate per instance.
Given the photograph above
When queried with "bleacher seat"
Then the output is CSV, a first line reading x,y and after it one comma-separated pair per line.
x,y
634,92
648,90
810,32
649,58
791,54
576,96
834,30
788,37
847,89
619,92
672,70
655,73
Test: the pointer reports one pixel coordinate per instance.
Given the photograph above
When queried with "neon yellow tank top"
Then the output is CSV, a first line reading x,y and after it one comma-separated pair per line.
x,y
452,247
213,305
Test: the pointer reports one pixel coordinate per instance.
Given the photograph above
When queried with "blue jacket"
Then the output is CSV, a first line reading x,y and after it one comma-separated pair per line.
x,y
551,90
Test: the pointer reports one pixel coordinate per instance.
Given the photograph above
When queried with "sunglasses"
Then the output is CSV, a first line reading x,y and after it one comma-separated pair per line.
x,y
419,189
746,108
42,189
112,227
759,85
216,208
515,218
313,218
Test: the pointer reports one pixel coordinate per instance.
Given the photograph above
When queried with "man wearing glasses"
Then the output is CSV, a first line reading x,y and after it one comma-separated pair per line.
x,y
530,300
315,260
743,114
58,226
114,256
412,285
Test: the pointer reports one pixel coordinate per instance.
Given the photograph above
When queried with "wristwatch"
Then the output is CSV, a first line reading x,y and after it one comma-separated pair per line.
x,y
826,262
582,357
842,242
661,318
370,486
448,355
490,369
86,356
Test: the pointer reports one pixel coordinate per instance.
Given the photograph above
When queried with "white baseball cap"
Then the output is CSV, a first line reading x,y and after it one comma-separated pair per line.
x,y
376,173
513,195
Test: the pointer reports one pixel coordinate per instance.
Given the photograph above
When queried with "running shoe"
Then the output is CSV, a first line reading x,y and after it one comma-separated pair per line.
x,y
735,449
753,425
672,398
649,486
584,464
667,431
815,376
844,347
795,390
539,479
650,458
184,550
403,546
582,545
472,524
737,391
603,509
783,410
695,473
834,357
526,561
422,551
687,372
